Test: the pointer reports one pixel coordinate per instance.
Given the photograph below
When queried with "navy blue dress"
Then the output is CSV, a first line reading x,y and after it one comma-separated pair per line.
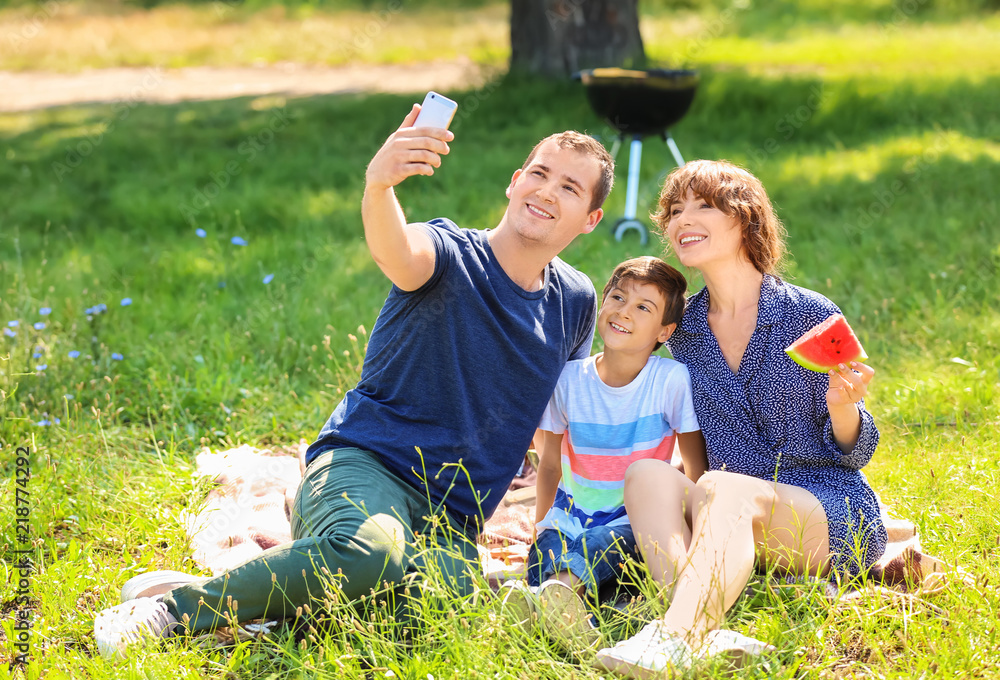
x,y
770,419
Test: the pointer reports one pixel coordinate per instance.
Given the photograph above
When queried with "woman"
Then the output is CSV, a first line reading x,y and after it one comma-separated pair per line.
x,y
785,445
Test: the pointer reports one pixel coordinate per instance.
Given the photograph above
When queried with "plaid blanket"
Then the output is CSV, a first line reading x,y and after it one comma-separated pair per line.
x,y
248,512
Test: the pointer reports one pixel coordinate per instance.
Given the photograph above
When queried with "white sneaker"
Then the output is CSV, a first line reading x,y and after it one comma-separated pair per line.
x,y
565,617
519,603
735,648
127,623
154,583
652,652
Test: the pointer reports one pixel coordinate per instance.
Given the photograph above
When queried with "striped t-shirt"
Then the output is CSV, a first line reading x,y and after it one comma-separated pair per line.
x,y
607,429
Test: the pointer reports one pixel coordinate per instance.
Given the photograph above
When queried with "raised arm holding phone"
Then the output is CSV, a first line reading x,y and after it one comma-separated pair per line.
x,y
404,253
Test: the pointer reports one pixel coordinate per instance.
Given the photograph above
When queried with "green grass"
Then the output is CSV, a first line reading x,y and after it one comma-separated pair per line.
x,y
885,177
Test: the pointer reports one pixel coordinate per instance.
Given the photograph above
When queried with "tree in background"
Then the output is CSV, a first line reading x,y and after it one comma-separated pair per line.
x,y
556,38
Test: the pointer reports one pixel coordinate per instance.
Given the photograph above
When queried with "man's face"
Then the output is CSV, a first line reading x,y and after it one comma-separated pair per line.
x,y
550,198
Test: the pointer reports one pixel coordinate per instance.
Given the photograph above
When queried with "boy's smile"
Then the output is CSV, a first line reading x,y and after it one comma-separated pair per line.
x,y
631,318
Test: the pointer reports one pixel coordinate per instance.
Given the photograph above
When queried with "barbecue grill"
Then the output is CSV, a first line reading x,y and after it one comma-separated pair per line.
x,y
639,104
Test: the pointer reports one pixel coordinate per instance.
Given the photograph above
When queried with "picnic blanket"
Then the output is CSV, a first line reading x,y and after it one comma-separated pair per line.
x,y
248,512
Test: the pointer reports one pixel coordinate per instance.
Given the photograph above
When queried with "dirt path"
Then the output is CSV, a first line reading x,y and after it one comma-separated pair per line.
x,y
26,91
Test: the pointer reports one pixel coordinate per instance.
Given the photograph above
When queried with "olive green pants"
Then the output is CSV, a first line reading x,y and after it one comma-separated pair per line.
x,y
354,523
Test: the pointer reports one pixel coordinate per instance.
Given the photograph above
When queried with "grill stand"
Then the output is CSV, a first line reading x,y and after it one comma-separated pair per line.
x,y
629,221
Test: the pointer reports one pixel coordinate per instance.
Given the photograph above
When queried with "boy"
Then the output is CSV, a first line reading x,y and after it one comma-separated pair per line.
x,y
607,411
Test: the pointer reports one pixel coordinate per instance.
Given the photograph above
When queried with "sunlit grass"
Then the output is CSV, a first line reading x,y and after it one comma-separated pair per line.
x,y
849,38
72,36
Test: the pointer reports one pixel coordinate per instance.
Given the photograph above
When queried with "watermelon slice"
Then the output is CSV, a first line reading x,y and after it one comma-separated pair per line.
x,y
825,346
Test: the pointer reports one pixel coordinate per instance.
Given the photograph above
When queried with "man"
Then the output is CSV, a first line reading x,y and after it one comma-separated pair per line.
x,y
460,365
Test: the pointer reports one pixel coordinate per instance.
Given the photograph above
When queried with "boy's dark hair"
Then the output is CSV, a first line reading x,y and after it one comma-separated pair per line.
x,y
587,145
656,272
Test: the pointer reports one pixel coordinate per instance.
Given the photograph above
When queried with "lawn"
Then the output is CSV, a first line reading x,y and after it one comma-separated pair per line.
x,y
195,275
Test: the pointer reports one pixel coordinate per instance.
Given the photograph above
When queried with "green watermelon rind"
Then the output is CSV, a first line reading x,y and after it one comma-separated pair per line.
x,y
809,365
805,363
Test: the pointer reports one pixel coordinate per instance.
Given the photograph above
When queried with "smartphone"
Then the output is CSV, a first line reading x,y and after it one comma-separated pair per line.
x,y
437,111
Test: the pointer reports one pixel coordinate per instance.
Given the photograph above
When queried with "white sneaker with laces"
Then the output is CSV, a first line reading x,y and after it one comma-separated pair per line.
x,y
735,648
519,602
652,652
127,623
154,583
565,617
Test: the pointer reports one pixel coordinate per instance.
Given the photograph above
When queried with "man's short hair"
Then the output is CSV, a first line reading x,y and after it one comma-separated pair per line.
x,y
588,146
657,273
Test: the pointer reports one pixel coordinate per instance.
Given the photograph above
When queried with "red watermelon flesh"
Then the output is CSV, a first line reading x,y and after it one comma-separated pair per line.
x,y
825,346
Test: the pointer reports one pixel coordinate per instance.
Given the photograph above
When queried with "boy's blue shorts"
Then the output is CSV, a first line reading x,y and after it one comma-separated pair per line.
x,y
595,556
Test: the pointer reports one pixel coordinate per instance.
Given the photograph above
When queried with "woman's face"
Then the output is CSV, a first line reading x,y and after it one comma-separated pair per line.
x,y
701,234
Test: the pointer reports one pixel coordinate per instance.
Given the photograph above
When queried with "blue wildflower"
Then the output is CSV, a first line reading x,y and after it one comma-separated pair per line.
x,y
67,396
268,279
201,233
41,367
36,355
45,311
238,241
116,356
126,302
14,323
101,308
73,354
39,325
43,423
9,333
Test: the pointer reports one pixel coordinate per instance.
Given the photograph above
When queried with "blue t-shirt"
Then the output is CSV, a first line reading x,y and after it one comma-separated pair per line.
x,y
463,368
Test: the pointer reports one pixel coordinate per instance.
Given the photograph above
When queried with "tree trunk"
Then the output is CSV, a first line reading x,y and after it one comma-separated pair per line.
x,y
556,38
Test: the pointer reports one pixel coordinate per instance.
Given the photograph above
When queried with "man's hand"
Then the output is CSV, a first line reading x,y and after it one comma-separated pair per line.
x,y
408,151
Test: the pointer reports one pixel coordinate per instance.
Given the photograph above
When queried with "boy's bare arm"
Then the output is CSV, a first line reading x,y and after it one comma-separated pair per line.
x,y
549,473
404,253
692,446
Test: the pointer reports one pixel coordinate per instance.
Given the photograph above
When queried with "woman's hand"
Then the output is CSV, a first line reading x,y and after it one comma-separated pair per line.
x,y
848,385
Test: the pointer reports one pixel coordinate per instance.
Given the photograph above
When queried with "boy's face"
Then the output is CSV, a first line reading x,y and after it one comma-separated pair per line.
x,y
631,318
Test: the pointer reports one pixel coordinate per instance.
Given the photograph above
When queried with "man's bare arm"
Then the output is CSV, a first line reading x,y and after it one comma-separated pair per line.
x,y
404,252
